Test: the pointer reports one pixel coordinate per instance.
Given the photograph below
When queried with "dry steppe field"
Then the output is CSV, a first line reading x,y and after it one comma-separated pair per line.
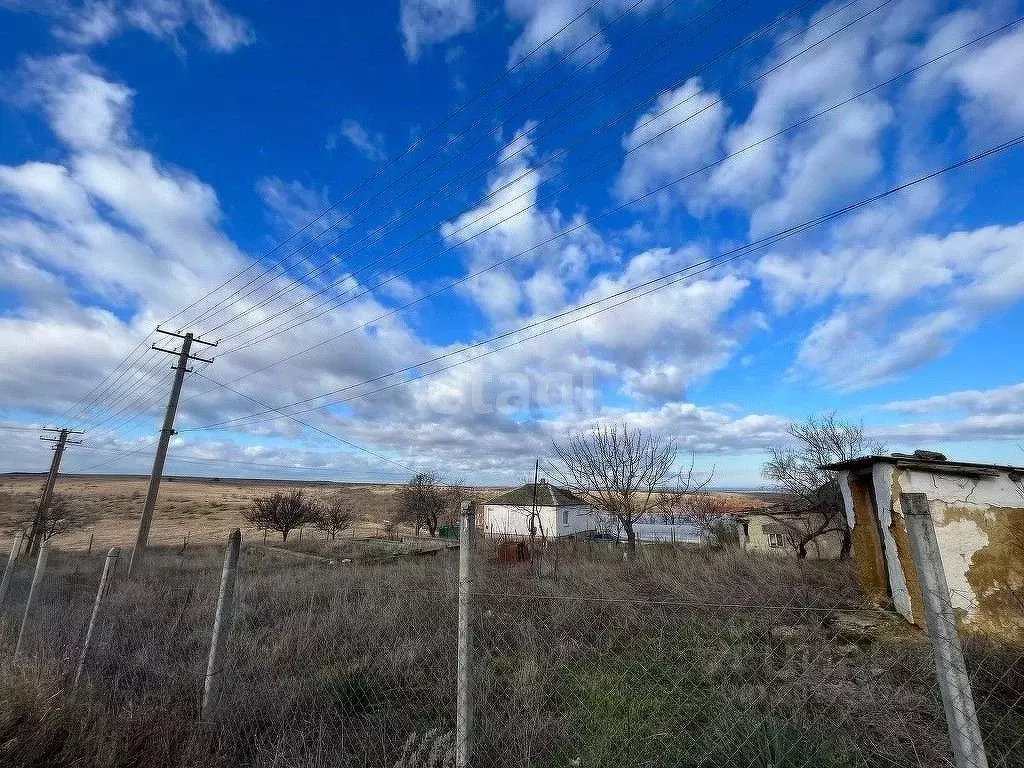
x,y
202,509
199,510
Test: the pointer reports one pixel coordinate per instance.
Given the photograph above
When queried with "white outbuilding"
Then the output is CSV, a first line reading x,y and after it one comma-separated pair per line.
x,y
559,512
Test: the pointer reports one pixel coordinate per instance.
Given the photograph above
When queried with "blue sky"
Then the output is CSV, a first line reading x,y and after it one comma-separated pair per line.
x,y
566,150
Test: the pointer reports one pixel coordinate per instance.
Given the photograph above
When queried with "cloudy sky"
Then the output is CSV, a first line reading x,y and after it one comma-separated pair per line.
x,y
437,234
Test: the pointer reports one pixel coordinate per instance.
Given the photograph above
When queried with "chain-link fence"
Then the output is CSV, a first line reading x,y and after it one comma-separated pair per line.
x,y
687,657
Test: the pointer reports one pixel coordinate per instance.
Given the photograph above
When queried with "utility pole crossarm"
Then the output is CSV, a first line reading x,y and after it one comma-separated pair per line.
x,y
175,351
57,440
195,339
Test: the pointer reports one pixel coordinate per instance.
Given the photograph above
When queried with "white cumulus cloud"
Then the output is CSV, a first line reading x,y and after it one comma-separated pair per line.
x,y
90,22
428,22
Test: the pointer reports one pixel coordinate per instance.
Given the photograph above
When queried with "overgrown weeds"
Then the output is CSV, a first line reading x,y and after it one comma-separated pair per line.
x,y
579,659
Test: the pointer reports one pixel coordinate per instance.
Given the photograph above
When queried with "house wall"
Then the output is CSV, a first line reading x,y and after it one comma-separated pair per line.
x,y
757,537
509,520
979,527
865,536
580,518
825,547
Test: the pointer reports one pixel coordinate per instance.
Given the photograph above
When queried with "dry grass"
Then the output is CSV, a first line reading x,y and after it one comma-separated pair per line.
x,y
683,656
203,510
687,657
195,509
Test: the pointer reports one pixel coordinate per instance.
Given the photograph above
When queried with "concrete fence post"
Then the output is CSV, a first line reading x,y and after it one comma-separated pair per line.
x,y
950,668
221,625
12,560
108,569
37,577
464,681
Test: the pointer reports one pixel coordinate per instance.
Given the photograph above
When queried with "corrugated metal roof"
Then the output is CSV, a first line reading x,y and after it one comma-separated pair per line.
x,y
548,495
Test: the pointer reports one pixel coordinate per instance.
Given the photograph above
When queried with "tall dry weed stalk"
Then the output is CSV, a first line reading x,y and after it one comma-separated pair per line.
x,y
436,749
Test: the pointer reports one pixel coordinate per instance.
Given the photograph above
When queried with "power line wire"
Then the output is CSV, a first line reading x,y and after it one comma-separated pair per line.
x,y
243,462
505,156
98,391
588,222
411,147
308,425
650,286
421,141
480,137
531,204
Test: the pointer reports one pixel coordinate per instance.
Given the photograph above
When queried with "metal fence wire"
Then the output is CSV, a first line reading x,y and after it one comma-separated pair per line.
x,y
687,657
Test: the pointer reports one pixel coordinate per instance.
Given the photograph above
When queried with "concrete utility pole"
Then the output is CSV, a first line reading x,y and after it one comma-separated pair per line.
x,y
9,570
533,512
166,433
221,626
38,530
940,621
33,591
108,569
464,679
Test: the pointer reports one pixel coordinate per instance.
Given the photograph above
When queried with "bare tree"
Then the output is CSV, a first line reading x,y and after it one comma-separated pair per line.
x,y
708,512
455,492
423,502
60,516
282,512
335,514
691,501
618,470
816,498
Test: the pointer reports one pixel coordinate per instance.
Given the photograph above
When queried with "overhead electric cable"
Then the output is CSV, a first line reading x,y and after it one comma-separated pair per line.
x,y
531,204
308,425
480,137
650,286
587,222
420,142
411,147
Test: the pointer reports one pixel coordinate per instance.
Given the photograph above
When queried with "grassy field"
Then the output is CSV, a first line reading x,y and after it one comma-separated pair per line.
x,y
202,509
686,658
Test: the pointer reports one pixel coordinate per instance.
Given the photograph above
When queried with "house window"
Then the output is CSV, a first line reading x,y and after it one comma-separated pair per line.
x,y
775,540
565,517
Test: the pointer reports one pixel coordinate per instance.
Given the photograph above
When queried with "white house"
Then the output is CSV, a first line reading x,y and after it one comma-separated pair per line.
x,y
558,512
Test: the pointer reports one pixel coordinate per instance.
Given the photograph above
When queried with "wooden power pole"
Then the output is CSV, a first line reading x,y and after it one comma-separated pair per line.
x,y
166,433
38,532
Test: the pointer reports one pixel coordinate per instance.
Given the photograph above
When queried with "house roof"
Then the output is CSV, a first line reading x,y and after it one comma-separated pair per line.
x,y
938,466
547,496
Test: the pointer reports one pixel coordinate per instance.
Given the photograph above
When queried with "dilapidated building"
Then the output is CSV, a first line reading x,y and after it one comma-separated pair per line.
x,y
977,511
778,530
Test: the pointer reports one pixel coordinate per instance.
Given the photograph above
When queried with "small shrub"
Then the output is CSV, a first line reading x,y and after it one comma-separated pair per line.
x,y
282,512
351,693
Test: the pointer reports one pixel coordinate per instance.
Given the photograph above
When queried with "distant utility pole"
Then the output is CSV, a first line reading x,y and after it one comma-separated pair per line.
x,y
533,512
38,532
184,355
